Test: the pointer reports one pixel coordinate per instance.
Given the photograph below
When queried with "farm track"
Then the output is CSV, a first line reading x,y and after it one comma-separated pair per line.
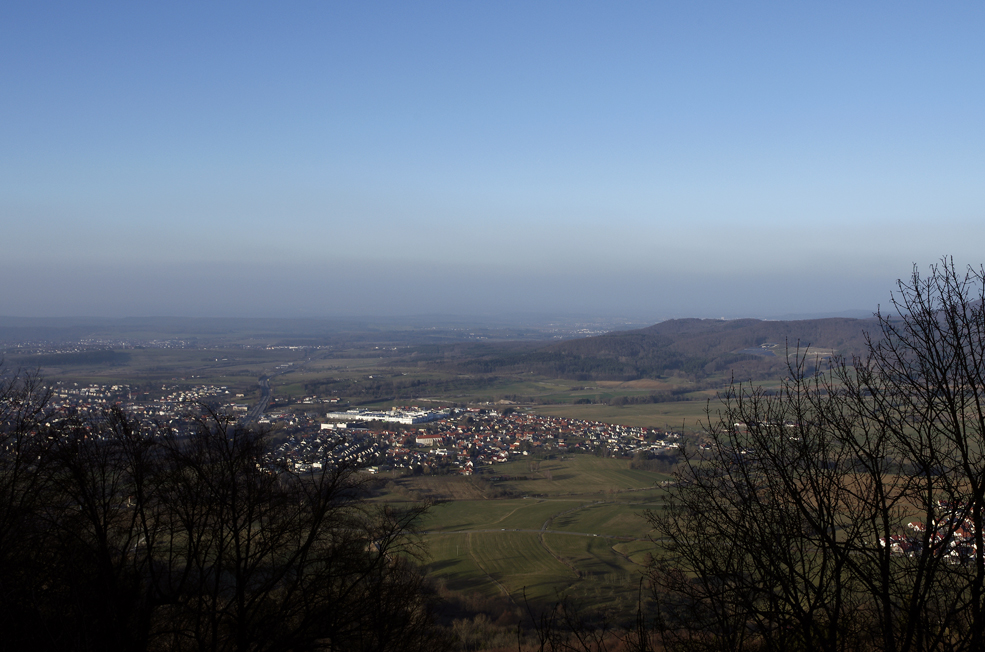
x,y
543,542
624,555
506,516
468,543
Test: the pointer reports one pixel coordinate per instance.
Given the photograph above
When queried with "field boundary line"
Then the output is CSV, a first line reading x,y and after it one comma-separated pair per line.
x,y
468,541
543,541
506,516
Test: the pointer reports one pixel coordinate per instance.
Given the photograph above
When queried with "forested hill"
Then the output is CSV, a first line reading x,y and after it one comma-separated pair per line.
x,y
693,347
718,337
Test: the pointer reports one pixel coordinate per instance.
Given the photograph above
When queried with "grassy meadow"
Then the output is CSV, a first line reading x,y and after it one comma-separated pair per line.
x,y
572,524
578,530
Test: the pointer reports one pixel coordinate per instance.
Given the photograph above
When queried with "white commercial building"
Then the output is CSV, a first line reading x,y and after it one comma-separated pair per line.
x,y
392,416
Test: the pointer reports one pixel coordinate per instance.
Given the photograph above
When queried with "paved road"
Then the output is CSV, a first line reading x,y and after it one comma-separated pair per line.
x,y
255,412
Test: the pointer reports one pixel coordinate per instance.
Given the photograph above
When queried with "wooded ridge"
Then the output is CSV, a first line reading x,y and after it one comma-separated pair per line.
x,y
697,348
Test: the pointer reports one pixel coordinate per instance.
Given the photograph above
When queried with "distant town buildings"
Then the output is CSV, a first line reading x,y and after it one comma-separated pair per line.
x,y
401,439
394,415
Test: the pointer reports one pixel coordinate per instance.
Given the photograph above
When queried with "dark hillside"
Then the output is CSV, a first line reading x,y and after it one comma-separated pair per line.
x,y
696,348
715,337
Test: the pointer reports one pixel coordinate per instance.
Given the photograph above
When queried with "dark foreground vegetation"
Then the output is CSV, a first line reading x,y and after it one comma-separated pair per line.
x,y
841,511
846,512
116,538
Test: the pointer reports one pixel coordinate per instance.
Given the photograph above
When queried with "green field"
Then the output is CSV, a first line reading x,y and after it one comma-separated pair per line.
x,y
617,520
581,533
570,477
537,565
569,524
678,415
464,515
576,475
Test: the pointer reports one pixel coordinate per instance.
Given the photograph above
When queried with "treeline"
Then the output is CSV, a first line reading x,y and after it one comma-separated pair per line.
x,y
553,364
711,337
649,399
576,366
116,537
655,462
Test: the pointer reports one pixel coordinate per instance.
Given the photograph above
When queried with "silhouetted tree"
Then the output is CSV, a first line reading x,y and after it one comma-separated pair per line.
x,y
791,530
24,410
117,537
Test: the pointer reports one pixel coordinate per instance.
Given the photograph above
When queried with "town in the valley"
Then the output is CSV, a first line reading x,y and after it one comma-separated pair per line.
x,y
305,437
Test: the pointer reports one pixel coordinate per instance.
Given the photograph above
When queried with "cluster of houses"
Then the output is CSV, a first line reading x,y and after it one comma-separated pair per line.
x,y
303,454
465,439
951,533
172,397
175,407
451,440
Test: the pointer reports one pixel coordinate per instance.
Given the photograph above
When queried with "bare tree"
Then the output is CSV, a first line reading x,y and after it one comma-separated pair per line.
x,y
24,409
140,540
844,511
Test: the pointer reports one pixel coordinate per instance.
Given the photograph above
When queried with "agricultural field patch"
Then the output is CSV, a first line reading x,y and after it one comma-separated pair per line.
x,y
519,563
592,557
609,519
575,475
451,562
649,384
688,416
638,552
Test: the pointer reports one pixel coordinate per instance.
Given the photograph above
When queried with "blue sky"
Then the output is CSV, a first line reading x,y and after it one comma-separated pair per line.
x,y
638,159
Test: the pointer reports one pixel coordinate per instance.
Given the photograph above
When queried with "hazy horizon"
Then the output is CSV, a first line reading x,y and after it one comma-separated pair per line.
x,y
568,323
621,160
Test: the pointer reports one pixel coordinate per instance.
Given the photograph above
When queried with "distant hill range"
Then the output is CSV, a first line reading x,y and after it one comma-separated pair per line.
x,y
696,348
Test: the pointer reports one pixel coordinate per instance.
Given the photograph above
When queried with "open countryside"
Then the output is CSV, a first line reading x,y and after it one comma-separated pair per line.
x,y
537,485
